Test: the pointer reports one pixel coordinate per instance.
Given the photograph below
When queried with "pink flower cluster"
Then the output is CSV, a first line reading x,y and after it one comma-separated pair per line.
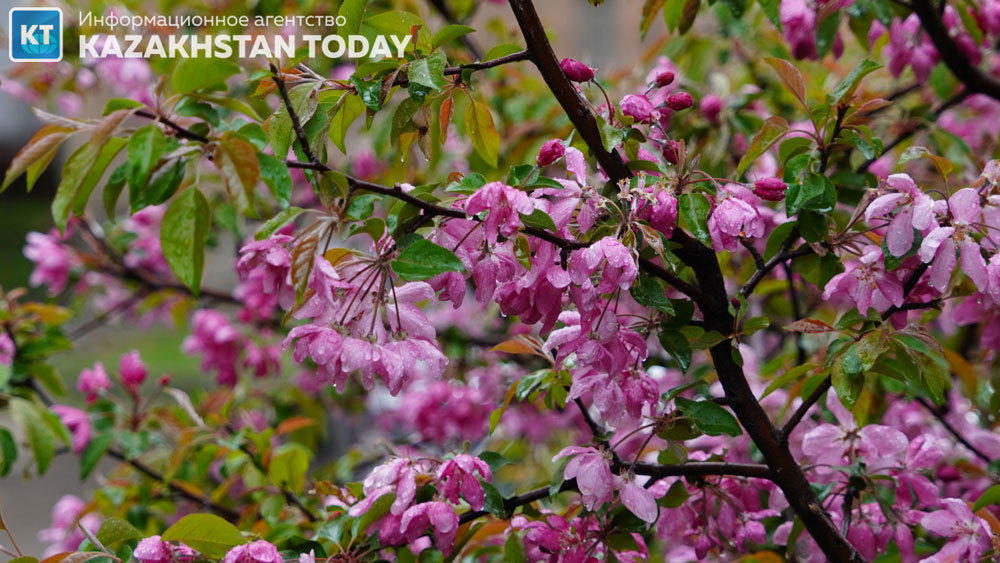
x,y
156,550
224,349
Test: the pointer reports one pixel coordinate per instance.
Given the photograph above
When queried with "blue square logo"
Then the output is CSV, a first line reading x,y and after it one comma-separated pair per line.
x,y
35,34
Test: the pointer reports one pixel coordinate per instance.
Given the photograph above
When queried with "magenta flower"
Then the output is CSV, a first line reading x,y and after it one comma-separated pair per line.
x,y
437,515
915,211
867,283
619,269
78,424
132,370
153,550
64,534
620,395
394,476
592,473
260,551
798,25
270,260
503,204
7,349
659,207
639,108
732,218
218,342
941,245
638,499
908,46
93,381
53,261
679,101
710,107
969,535
828,444
771,189
144,252
457,477
551,151
576,71
665,78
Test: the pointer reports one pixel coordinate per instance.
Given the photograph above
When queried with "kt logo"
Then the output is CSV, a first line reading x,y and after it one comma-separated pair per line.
x,y
35,34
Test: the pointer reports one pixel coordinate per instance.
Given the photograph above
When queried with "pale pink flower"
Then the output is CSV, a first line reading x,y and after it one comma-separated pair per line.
x,y
592,473
828,444
639,108
260,551
969,535
132,370
53,260
458,477
941,245
93,381
7,349
78,424
915,211
503,204
734,217
867,283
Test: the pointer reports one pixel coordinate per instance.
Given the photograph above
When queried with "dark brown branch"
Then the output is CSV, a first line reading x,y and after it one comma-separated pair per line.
x,y
576,108
296,125
202,500
803,409
455,70
974,79
781,257
939,415
178,130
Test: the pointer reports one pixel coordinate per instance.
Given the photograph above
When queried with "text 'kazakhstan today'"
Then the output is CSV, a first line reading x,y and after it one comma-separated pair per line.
x,y
242,46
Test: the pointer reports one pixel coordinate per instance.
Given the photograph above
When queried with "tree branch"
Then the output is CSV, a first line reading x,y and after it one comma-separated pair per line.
x,y
975,80
953,431
296,125
403,81
714,304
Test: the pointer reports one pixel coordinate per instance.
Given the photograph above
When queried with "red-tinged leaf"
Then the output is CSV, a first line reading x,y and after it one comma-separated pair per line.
x,y
790,77
42,146
295,423
304,249
513,346
482,132
447,108
237,162
810,326
774,129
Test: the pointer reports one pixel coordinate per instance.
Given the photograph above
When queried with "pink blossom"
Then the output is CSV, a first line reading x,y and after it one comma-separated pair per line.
x,y
64,534
265,266
969,535
132,370
915,211
659,207
638,499
93,381
144,252
78,424
592,473
576,71
828,443
395,476
457,477
771,189
619,266
260,551
710,107
941,245
620,396
908,46
638,107
664,78
53,260
551,151
503,204
7,349
798,25
155,550
732,218
867,283
218,342
437,515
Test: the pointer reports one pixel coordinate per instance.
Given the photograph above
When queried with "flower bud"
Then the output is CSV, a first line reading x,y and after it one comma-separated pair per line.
x,y
680,100
551,151
771,189
132,370
711,107
164,381
576,71
671,151
638,108
665,78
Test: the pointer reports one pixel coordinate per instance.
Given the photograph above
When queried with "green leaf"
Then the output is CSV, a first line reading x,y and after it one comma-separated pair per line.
x,y
677,345
41,438
207,533
502,50
283,218
777,238
144,150
482,132
772,9
793,374
274,172
93,453
8,452
845,89
353,12
774,128
377,510
82,172
494,460
114,532
493,501
649,293
197,74
423,259
693,209
450,33
989,496
183,233
816,193
400,23
539,219
709,417
349,108
790,77
428,71
289,465
650,9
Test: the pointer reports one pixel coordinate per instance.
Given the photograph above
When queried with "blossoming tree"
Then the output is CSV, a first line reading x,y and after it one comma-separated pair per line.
x,y
486,312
